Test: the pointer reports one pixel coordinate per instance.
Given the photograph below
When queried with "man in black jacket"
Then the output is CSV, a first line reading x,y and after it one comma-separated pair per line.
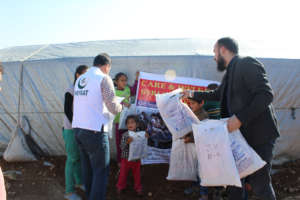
x,y
246,98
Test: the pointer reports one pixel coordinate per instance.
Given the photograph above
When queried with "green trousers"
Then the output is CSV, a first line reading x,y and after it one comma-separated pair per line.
x,y
73,168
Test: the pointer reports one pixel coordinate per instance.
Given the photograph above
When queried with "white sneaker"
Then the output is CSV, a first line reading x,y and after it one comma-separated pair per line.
x,y
72,196
81,187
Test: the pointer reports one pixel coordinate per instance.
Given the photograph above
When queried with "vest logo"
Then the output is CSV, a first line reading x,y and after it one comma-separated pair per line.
x,y
82,83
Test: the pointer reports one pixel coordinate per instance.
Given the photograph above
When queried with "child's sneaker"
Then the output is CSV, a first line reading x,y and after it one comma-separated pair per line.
x,y
81,187
203,197
189,190
119,192
72,196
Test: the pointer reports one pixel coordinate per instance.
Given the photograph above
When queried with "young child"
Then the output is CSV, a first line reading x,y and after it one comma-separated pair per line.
x,y
73,168
131,123
122,90
197,108
212,107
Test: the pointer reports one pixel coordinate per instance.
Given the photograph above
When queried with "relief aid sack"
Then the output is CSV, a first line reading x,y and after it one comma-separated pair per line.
x,y
183,162
177,115
138,148
246,159
216,164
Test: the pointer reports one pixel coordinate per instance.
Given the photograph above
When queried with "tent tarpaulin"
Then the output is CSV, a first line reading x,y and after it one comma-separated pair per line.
x,y
50,72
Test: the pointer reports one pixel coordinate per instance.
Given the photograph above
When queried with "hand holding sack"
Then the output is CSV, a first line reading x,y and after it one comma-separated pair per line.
x,y
177,115
138,148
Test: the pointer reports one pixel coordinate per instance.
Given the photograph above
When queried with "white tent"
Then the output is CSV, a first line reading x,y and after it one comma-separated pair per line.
x,y
49,72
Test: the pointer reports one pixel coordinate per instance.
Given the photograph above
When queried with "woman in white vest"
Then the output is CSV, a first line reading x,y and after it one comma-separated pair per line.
x,y
94,96
73,176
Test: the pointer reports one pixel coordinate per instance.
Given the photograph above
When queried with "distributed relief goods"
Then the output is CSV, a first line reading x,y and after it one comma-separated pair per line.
x,y
108,115
177,115
215,159
138,148
183,162
246,159
125,113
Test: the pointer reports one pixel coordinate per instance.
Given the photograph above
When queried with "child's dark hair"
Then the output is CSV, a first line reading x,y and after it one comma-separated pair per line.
x,y
79,70
212,86
119,75
134,117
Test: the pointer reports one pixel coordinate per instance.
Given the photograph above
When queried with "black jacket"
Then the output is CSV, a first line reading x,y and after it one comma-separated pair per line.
x,y
250,99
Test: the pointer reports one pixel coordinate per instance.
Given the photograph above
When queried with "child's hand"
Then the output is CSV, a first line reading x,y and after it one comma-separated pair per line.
x,y
147,135
137,74
129,140
126,104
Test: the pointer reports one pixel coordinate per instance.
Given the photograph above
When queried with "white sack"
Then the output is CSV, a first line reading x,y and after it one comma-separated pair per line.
x,y
138,148
17,149
124,114
246,159
177,115
183,162
110,118
215,159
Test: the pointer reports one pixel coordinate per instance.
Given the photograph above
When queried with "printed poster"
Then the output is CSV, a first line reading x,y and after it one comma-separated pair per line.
x,y
160,140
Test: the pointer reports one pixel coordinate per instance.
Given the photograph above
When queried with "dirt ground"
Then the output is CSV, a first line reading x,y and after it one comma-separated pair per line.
x,y
39,181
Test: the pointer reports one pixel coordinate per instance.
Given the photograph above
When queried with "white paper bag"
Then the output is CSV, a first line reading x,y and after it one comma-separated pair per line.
x,y
138,148
17,149
177,115
124,114
183,162
110,118
246,159
215,159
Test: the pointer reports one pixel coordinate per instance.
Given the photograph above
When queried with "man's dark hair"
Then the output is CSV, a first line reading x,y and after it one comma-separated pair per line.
x,y
102,59
229,43
134,117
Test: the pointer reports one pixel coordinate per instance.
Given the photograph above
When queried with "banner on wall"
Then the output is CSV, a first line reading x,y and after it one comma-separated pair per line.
x,y
160,140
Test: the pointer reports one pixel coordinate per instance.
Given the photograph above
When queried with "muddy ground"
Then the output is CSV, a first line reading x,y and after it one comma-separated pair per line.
x,y
40,181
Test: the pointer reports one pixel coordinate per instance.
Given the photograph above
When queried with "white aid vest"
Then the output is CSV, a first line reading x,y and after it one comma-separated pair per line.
x,y
88,102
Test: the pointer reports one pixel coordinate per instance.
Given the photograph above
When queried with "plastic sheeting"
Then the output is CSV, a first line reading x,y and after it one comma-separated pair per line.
x,y
45,82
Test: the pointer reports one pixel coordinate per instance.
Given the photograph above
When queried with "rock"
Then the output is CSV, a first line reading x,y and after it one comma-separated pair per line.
x,y
291,190
48,164
11,174
11,193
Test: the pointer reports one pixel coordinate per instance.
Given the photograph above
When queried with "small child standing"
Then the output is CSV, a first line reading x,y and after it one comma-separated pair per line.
x,y
122,90
135,166
197,108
